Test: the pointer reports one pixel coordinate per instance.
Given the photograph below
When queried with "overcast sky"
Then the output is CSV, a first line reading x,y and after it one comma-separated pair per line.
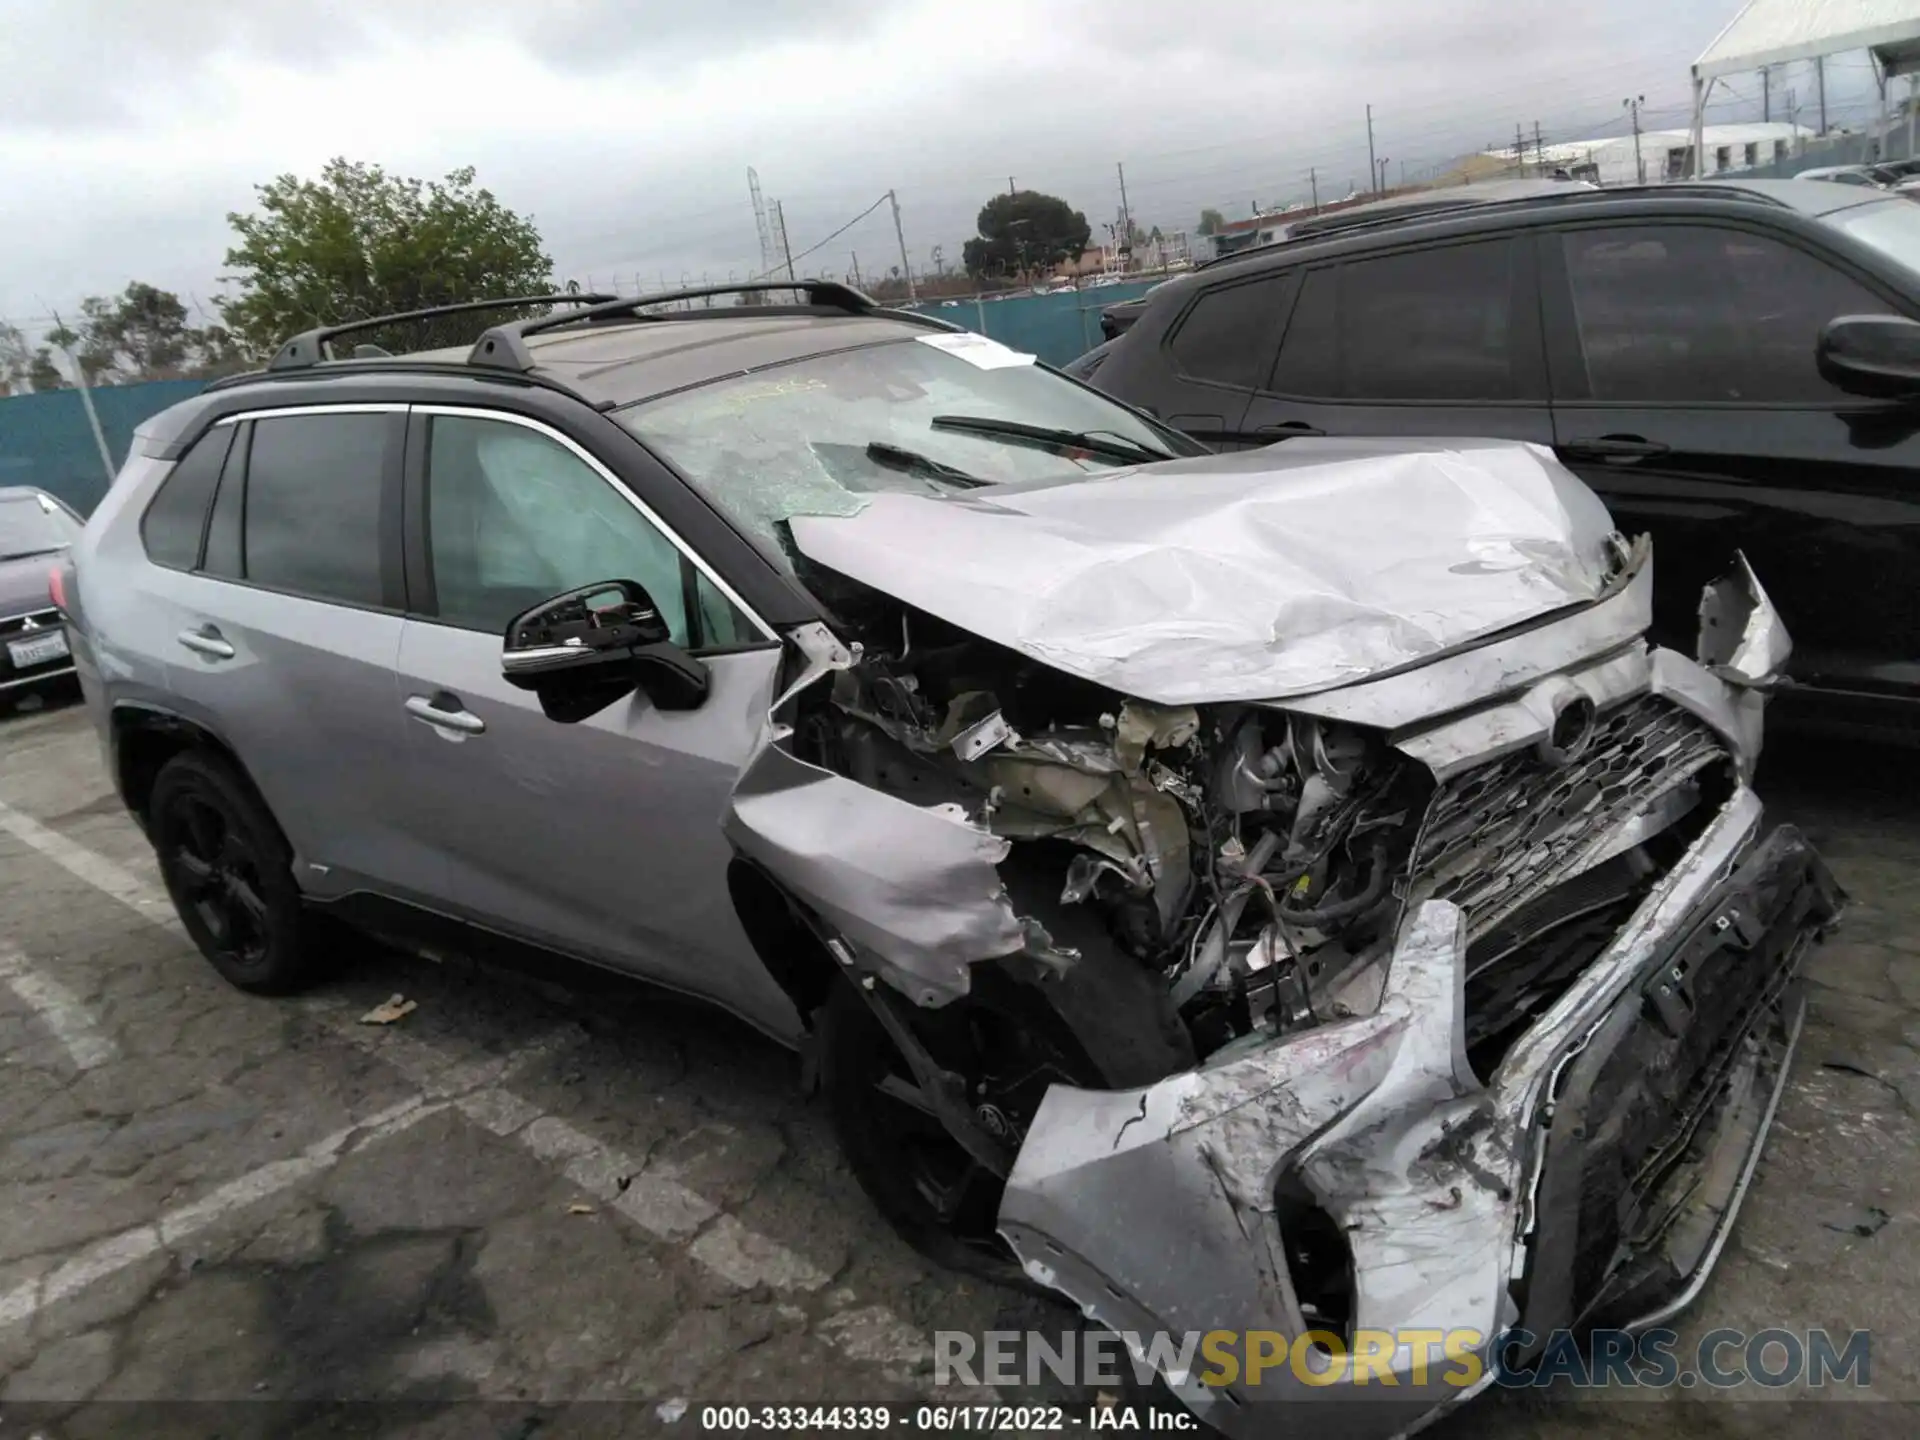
x,y
129,128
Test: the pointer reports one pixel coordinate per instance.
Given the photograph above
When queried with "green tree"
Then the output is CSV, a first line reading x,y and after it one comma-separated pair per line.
x,y
1025,231
142,334
16,359
359,242
43,374
1211,221
25,366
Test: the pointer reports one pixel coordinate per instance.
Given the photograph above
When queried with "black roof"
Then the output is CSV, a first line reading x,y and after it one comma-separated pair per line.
x,y
1812,199
614,351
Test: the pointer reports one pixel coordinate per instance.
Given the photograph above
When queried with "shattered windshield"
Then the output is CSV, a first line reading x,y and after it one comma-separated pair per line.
x,y
939,414
30,525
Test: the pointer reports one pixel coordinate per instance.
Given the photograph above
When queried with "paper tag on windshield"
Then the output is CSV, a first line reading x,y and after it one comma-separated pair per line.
x,y
976,350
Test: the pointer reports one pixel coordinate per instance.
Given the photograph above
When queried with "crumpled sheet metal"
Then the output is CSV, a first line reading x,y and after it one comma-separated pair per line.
x,y
1737,714
1245,576
1154,1208
1741,634
1442,687
914,888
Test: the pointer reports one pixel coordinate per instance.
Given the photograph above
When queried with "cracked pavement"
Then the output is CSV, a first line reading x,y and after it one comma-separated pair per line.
x,y
519,1204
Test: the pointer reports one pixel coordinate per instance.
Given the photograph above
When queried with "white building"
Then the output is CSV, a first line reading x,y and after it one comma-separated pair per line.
x,y
1664,154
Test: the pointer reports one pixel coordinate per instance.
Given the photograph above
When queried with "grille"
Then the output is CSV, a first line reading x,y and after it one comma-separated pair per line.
x,y
14,624
1505,833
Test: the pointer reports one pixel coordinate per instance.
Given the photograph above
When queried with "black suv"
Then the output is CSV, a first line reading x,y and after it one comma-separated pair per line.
x,y
1701,354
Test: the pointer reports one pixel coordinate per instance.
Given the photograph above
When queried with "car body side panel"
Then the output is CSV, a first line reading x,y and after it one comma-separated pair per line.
x,y
600,839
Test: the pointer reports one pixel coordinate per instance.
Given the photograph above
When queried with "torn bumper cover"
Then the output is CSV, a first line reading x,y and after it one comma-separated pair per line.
x,y
1359,1178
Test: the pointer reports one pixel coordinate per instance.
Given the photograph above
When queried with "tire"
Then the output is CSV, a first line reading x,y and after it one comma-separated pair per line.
x,y
904,1160
229,871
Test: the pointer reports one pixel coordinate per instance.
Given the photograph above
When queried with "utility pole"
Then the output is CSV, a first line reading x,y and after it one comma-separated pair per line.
x,y
1820,74
780,219
1539,151
1126,215
1009,185
1313,179
1380,177
1519,149
1639,160
856,272
1372,169
86,402
1766,92
906,270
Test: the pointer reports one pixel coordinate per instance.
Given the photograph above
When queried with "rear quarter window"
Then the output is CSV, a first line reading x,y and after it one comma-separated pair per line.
x,y
176,517
1227,337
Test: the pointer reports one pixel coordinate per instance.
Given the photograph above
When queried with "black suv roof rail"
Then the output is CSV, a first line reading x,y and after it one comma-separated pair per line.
x,y
503,347
315,346
1418,214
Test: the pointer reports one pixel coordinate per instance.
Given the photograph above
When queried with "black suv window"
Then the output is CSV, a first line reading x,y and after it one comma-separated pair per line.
x,y
175,517
1432,325
1693,314
313,503
1228,334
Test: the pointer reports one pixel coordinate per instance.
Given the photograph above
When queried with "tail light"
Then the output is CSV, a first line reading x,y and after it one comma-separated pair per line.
x,y
57,590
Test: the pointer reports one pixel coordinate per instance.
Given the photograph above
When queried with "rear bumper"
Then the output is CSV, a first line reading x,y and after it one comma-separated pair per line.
x,y
13,630
1187,1207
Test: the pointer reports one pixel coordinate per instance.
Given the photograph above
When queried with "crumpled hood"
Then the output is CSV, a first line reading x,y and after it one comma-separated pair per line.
x,y
1248,576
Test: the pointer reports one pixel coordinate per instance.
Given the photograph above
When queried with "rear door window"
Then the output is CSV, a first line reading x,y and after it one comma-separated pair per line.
x,y
1696,314
315,492
1433,325
1227,337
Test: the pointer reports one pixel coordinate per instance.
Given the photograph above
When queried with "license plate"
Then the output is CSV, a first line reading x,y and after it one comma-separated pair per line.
x,y
38,649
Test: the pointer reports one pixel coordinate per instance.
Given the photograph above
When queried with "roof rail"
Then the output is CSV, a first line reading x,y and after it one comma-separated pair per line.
x,y
503,347
313,347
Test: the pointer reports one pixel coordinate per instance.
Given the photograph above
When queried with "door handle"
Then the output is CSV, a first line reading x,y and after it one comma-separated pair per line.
x,y
1620,449
444,712
206,641
1289,427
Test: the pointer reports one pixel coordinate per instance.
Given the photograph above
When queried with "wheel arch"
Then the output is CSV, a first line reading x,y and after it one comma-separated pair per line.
x,y
146,737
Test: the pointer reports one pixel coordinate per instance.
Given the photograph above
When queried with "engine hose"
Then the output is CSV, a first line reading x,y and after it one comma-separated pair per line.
x,y
1345,909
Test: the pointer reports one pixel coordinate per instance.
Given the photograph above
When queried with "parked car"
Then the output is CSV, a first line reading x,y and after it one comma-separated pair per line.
x,y
35,531
1731,365
1177,864
1873,176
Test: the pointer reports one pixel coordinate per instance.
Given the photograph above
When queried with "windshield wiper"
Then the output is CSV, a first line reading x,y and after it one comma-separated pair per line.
x,y
895,457
1104,443
29,554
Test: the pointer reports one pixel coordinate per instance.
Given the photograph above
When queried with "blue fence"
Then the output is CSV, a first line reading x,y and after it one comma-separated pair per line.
x,y
45,440
1057,328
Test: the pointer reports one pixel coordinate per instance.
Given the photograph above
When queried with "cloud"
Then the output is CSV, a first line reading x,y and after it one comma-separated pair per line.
x,y
627,130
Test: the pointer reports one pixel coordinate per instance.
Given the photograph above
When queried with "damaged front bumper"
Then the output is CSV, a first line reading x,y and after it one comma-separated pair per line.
x,y
1359,1180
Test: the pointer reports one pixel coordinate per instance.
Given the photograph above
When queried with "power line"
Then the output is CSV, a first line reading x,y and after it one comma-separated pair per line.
x,y
821,245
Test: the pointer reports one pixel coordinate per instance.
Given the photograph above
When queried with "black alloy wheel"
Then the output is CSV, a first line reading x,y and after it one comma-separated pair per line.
x,y
228,870
1008,1045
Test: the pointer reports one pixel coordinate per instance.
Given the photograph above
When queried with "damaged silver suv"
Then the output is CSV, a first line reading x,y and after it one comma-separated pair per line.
x,y
1280,891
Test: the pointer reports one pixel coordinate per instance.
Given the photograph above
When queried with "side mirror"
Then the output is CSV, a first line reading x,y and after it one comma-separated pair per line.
x,y
1874,355
582,651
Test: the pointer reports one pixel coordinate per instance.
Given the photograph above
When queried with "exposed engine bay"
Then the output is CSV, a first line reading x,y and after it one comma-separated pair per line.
x,y
1255,862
